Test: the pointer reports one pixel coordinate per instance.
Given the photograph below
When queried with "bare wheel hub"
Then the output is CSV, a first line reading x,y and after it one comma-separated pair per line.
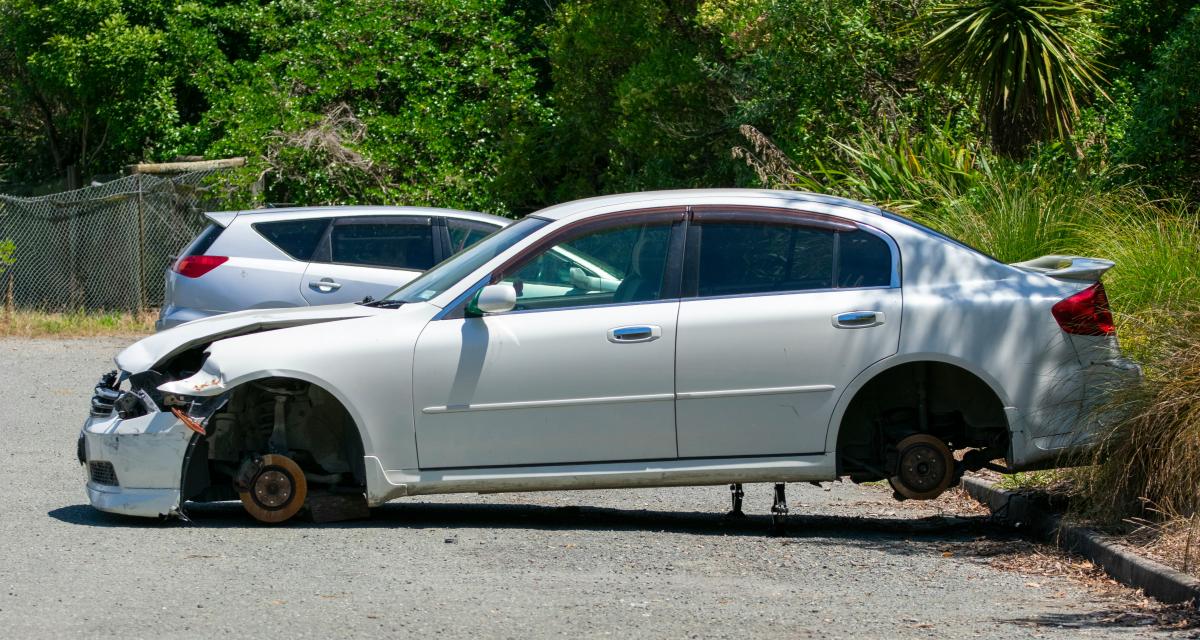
x,y
926,467
272,489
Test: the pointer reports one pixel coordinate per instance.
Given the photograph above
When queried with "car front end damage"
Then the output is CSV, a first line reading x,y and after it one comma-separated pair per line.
x,y
134,446
168,427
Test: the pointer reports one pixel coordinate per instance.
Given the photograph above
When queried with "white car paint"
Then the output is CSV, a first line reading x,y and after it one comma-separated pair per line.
x,y
737,389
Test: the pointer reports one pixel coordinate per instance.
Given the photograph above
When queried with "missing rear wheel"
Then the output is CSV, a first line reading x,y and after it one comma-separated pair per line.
x,y
925,469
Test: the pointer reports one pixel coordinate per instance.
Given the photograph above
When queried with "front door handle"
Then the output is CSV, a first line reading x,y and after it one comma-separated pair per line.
x,y
636,333
858,319
325,285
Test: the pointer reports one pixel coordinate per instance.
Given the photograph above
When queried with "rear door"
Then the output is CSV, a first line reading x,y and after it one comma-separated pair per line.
x,y
781,311
370,256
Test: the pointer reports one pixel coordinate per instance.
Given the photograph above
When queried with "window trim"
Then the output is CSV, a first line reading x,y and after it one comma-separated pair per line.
x,y
324,251
675,216
742,213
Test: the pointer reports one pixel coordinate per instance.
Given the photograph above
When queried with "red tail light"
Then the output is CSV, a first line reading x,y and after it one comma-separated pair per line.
x,y
1085,313
196,266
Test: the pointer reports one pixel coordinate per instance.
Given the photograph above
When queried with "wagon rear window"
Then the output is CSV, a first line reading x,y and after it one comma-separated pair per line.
x,y
297,238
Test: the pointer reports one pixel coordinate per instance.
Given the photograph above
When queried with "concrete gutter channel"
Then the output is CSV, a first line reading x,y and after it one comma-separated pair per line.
x,y
1024,511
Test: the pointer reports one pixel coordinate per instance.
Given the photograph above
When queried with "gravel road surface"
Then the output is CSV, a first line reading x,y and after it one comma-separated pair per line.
x,y
646,563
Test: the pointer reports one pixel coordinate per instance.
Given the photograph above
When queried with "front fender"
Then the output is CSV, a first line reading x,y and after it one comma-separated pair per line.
x,y
366,363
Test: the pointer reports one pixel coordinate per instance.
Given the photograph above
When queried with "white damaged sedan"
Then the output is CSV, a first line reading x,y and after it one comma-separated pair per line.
x,y
653,339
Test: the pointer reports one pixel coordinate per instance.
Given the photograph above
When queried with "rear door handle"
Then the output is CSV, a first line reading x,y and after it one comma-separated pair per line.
x,y
858,319
636,333
325,285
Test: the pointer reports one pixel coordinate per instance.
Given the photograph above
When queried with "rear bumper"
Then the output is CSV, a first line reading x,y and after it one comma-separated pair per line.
x,y
146,456
173,316
1046,447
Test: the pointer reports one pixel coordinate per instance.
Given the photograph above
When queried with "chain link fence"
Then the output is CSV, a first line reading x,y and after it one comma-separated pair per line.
x,y
104,247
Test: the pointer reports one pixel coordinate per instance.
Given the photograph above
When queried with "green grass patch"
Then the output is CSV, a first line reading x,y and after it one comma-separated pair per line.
x,y
38,324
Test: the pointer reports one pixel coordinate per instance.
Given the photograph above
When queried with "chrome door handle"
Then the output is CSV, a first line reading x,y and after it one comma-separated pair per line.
x,y
858,319
325,285
637,333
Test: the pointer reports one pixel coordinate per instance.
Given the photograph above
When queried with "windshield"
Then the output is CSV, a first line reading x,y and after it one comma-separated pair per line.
x,y
441,277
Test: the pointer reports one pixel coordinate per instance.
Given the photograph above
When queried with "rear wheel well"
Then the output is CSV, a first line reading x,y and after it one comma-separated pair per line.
x,y
934,398
317,432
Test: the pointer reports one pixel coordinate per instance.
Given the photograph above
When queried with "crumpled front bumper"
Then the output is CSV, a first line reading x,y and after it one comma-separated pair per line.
x,y
147,455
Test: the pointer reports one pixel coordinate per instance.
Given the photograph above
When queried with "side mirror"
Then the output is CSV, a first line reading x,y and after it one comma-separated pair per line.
x,y
495,298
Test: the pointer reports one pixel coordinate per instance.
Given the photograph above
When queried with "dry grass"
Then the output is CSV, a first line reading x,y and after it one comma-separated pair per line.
x,y
40,324
1149,463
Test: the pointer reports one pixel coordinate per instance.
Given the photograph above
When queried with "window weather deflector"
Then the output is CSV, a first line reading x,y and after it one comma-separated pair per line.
x,y
718,213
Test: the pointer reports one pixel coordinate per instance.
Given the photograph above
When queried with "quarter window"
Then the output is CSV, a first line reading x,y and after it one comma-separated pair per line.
x,y
382,244
622,264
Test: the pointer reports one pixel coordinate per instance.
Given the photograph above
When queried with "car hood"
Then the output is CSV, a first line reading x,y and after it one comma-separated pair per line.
x,y
148,352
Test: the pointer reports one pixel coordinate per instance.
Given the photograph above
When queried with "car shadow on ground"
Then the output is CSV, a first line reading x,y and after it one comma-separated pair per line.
x,y
451,516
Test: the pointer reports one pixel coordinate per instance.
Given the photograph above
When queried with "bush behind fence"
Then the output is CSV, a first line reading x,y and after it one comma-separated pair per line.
x,y
104,247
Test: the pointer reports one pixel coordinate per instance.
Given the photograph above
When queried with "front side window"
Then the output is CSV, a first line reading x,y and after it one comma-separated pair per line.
x,y
383,244
611,265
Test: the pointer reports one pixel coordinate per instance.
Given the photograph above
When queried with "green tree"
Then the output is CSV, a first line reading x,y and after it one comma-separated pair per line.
x,y
84,83
1027,63
1163,139
351,101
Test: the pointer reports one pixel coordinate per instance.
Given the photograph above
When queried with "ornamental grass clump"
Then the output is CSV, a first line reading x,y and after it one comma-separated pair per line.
x,y
1149,463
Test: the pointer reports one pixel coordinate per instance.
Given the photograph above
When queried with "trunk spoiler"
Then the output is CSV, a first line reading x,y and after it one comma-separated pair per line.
x,y
1067,267
221,218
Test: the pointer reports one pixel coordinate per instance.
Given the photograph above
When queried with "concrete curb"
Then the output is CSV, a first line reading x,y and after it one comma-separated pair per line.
x,y
1154,578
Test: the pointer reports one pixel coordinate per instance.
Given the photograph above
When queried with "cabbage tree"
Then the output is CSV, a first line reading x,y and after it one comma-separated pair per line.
x,y
1027,63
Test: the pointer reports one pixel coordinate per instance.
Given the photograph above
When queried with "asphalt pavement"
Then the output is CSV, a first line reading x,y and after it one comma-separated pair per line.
x,y
650,563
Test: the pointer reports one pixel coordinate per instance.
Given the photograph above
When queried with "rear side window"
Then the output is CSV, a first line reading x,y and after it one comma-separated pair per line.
x,y
464,233
739,258
383,244
297,238
201,244
765,257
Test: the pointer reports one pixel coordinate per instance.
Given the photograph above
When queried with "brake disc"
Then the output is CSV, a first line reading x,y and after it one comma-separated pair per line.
x,y
273,490
926,467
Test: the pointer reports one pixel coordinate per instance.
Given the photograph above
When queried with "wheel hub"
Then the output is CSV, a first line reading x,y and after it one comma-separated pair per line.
x,y
921,468
926,468
272,488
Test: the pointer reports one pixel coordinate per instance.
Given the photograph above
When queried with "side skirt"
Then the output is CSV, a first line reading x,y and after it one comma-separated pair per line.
x,y
383,486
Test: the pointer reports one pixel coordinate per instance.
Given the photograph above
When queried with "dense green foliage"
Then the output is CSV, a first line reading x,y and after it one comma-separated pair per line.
x,y
508,105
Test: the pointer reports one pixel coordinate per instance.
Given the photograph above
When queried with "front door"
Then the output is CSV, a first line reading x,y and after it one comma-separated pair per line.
x,y
784,311
582,370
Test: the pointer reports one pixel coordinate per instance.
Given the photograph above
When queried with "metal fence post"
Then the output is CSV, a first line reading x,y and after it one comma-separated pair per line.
x,y
141,222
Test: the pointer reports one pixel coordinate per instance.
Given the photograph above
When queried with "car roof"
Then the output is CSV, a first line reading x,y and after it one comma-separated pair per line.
x,y
224,218
697,197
